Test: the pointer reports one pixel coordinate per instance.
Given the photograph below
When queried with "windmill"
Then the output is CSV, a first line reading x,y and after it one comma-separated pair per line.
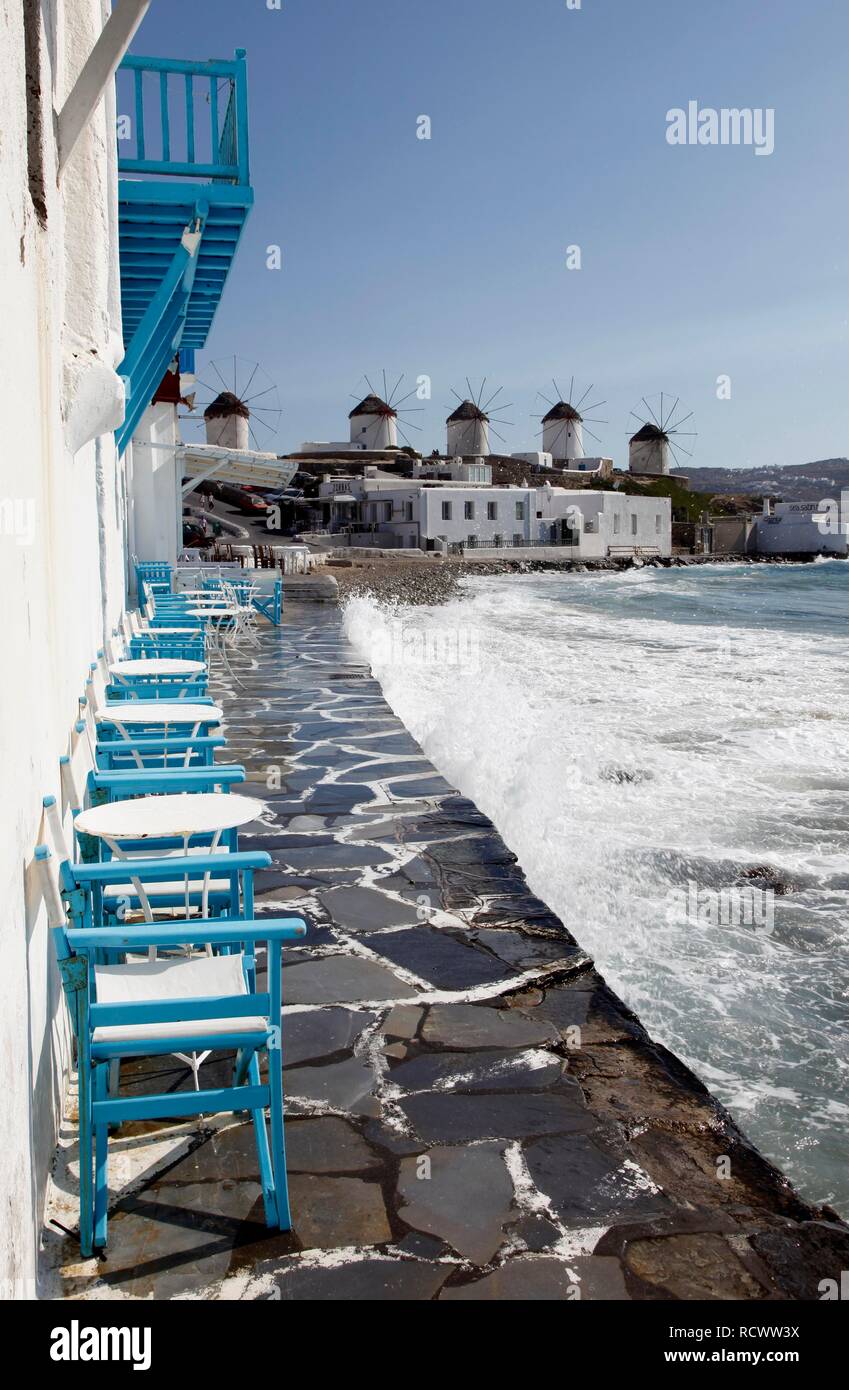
x,y
237,404
565,421
470,423
375,420
660,434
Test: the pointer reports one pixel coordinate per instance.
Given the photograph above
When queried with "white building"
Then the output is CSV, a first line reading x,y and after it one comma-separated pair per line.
x,y
648,451
374,424
802,528
454,470
468,431
384,511
563,433
227,422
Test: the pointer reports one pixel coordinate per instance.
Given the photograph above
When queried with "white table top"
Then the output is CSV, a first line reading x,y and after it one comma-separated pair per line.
x,y
156,666
212,612
154,816
159,712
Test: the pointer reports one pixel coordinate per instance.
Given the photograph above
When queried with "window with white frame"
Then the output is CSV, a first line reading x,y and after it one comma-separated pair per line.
x,y
446,511
470,511
492,511
520,511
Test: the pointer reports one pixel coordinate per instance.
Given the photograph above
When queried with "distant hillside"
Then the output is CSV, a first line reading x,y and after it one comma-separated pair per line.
x,y
804,482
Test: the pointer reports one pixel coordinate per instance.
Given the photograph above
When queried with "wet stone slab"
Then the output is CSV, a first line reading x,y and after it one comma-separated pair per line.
x,y
463,1195
327,1145
387,1280
478,1026
437,957
317,1033
487,1071
364,909
342,980
546,1280
343,1086
455,1118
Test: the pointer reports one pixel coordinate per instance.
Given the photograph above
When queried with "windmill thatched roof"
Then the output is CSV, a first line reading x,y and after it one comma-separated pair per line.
x,y
224,405
372,405
467,411
561,411
649,434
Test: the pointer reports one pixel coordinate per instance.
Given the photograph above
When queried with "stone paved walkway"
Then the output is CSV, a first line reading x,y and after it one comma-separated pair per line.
x,y
472,1114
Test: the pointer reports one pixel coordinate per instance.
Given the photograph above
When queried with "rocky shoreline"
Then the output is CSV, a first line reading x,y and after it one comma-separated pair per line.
x,y
433,581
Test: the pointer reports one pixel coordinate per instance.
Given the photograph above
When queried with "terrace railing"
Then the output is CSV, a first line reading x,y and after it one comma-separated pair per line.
x,y
189,119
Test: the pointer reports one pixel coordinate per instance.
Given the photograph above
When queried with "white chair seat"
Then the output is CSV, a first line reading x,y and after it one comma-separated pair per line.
x,y
202,977
158,890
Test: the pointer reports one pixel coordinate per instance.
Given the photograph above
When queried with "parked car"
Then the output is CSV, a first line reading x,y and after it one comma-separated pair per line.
x,y
246,501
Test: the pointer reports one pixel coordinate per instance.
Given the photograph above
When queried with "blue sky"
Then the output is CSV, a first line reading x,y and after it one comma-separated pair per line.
x,y
447,257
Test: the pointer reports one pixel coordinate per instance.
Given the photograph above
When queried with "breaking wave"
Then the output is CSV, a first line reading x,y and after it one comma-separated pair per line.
x,y
666,753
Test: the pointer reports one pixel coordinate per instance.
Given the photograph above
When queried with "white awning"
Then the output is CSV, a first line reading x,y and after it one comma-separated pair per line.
x,y
241,466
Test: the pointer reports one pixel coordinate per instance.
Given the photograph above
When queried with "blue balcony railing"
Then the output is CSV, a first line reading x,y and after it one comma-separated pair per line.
x,y
186,119
183,196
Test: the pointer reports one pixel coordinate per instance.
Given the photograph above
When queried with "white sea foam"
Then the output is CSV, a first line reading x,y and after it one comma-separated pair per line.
x,y
632,734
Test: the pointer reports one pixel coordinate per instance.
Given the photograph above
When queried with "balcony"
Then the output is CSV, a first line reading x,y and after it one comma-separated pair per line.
x,y
184,195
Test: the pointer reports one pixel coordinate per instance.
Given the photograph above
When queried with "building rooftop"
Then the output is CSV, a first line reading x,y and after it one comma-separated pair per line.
x,y
648,433
561,411
467,411
225,405
372,405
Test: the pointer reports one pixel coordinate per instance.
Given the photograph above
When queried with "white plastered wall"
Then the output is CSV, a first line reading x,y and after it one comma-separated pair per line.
x,y
155,486
62,543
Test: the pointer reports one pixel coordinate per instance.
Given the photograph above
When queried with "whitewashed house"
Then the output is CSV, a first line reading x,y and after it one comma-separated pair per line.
x,y
385,511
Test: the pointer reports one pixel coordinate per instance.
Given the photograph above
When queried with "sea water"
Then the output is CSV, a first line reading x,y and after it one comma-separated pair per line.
x,y
667,752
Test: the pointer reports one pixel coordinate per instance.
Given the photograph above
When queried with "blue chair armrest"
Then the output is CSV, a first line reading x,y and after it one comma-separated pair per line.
x,y
131,780
181,866
130,938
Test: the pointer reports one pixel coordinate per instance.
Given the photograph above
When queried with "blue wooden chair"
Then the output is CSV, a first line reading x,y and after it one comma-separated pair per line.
x,y
143,1008
152,745
156,575
85,785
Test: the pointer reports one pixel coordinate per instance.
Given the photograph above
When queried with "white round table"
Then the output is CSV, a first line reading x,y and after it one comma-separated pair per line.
x,y
186,814
167,817
158,712
156,666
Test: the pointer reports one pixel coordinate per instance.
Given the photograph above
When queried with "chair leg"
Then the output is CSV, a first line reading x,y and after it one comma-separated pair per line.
x,y
278,1146
266,1170
85,1087
101,1155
